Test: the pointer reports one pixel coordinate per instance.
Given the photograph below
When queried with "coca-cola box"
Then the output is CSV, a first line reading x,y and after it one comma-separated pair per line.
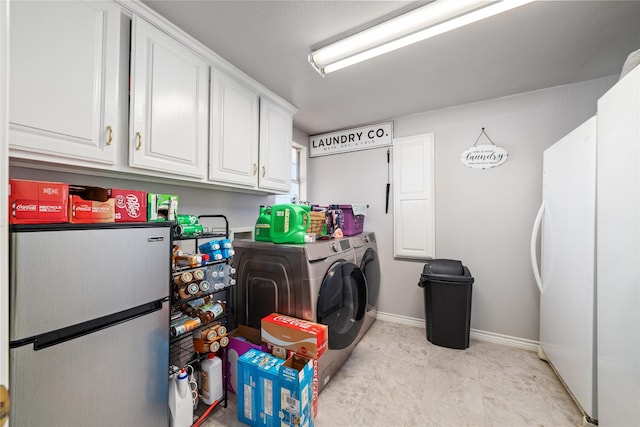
x,y
130,205
83,211
38,202
298,335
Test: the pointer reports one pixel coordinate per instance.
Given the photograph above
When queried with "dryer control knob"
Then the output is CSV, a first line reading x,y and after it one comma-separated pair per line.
x,y
335,246
366,239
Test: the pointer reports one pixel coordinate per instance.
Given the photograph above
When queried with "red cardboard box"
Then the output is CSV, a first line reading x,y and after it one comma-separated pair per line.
x,y
38,202
130,205
307,338
83,211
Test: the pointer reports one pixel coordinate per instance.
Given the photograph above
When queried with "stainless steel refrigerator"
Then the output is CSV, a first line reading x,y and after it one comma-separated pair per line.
x,y
89,318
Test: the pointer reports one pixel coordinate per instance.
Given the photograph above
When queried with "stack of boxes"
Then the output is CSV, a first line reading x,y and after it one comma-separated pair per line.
x,y
290,335
43,202
289,398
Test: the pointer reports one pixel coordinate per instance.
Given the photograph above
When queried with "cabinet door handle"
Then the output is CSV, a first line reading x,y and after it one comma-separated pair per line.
x,y
264,171
255,169
139,139
110,137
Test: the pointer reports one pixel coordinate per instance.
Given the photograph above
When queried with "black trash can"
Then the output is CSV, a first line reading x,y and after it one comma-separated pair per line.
x,y
447,302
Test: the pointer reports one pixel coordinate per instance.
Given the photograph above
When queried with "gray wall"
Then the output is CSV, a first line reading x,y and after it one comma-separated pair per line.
x,y
240,209
483,217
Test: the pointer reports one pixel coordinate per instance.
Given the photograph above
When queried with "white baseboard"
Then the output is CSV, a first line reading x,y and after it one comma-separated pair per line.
x,y
403,320
474,333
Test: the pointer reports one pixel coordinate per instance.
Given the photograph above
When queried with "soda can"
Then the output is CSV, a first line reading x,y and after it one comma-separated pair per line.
x,y
187,219
185,230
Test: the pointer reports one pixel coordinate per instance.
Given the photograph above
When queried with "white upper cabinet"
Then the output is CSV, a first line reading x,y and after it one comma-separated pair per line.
x,y
276,128
169,104
64,81
250,137
233,153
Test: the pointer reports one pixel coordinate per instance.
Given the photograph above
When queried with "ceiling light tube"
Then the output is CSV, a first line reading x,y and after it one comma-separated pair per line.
x,y
419,24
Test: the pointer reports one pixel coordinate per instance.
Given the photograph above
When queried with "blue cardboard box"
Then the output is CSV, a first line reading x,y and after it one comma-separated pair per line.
x,y
247,387
296,392
258,389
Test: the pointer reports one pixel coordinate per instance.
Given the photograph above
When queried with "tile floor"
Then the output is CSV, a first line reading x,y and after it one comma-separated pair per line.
x,y
395,377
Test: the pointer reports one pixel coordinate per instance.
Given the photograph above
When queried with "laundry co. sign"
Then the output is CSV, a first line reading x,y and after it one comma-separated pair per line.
x,y
363,138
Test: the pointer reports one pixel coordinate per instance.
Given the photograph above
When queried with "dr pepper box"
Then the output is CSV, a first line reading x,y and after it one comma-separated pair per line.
x,y
38,202
130,205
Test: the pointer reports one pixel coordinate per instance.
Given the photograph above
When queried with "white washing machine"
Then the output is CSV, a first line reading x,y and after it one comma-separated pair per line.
x,y
366,251
319,281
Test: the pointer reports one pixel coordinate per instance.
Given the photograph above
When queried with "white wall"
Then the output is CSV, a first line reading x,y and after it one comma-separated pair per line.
x,y
483,217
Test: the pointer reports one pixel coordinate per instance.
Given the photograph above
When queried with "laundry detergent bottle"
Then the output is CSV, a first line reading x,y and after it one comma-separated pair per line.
x,y
289,223
180,400
211,389
262,231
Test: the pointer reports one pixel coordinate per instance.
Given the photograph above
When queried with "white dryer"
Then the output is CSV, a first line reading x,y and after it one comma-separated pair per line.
x,y
319,281
366,251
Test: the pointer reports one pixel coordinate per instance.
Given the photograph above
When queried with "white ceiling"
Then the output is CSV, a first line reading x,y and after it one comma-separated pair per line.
x,y
539,45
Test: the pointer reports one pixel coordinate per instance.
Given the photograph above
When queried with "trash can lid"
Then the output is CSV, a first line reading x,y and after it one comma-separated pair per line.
x,y
447,267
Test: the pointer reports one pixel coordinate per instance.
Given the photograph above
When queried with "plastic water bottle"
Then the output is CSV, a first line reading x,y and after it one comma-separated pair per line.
x,y
228,269
228,281
180,400
211,377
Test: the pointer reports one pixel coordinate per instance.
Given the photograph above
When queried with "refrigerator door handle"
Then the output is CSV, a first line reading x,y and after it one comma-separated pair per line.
x,y
534,244
59,336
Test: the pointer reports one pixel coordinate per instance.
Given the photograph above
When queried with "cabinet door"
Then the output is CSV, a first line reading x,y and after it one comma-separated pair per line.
x,y
413,197
64,81
233,156
169,104
276,128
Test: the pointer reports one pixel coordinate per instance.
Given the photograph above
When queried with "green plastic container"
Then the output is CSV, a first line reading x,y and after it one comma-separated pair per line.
x,y
289,223
262,231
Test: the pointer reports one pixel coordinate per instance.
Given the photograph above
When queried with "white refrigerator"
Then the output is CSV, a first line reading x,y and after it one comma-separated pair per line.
x,y
618,253
566,272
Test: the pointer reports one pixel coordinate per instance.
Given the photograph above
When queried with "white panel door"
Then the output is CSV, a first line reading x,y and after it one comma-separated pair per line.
x,y
64,80
618,253
567,304
276,129
413,197
169,104
233,154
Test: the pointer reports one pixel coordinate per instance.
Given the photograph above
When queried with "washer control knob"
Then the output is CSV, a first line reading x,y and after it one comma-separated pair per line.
x,y
335,246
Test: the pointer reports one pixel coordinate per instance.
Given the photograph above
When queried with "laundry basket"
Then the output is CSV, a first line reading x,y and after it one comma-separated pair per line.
x,y
318,223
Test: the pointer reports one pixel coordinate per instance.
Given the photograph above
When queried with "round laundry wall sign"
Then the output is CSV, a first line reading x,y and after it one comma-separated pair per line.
x,y
484,156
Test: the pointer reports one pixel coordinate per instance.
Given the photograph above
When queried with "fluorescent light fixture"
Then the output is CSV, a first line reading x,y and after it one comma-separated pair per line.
x,y
419,24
